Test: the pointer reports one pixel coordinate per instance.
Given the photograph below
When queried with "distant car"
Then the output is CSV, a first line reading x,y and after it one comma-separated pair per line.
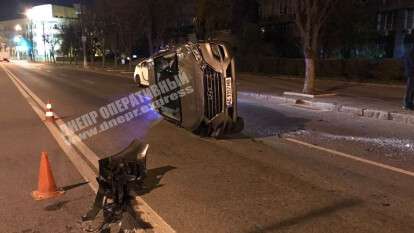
x,y
207,106
142,72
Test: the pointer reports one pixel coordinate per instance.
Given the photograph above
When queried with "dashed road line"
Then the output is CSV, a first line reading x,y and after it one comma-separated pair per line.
x,y
88,81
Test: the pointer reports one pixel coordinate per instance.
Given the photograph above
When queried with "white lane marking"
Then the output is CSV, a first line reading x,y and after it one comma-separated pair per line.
x,y
141,207
76,141
88,81
352,157
73,156
62,75
114,70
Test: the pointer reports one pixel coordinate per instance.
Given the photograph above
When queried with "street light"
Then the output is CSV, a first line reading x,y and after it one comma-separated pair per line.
x,y
18,28
29,13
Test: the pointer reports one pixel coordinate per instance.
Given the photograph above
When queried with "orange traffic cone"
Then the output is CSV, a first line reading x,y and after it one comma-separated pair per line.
x,y
49,112
46,187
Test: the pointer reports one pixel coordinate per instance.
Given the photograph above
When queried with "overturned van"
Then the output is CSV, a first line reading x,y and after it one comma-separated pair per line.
x,y
206,99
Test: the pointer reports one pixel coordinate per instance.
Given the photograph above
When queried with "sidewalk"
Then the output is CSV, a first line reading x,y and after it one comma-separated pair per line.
x,y
378,101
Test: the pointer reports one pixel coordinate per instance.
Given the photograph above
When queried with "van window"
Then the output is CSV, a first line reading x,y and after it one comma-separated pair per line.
x,y
166,70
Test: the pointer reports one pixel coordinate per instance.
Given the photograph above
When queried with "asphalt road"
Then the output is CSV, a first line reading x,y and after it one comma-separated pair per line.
x,y
22,139
253,182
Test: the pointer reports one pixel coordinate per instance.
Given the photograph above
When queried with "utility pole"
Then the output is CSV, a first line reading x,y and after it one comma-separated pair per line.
x,y
103,50
44,41
85,60
84,38
32,56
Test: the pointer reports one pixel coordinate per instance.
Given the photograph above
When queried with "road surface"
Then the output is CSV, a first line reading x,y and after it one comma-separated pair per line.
x,y
269,178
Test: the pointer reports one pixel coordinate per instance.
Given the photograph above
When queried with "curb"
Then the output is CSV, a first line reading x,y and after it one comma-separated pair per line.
x,y
296,77
376,114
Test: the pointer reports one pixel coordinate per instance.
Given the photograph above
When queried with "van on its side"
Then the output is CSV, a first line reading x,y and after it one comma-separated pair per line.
x,y
207,103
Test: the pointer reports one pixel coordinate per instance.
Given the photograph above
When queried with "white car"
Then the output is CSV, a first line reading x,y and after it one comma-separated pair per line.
x,y
142,72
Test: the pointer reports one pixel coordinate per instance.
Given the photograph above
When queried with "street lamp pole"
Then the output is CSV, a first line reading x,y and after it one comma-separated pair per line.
x,y
44,41
85,60
84,38
31,49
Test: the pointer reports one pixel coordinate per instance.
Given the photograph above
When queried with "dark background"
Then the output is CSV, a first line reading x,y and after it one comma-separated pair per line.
x,y
10,9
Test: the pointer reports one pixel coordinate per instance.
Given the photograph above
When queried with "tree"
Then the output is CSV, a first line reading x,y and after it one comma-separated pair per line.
x,y
158,19
311,17
351,31
70,36
53,42
103,26
213,15
121,26
91,27
244,12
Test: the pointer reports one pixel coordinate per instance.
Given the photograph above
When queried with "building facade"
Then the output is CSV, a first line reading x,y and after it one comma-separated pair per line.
x,y
278,27
36,36
12,42
396,24
279,14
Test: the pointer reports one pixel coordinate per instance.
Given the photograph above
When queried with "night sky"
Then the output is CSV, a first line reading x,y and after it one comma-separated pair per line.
x,y
10,9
